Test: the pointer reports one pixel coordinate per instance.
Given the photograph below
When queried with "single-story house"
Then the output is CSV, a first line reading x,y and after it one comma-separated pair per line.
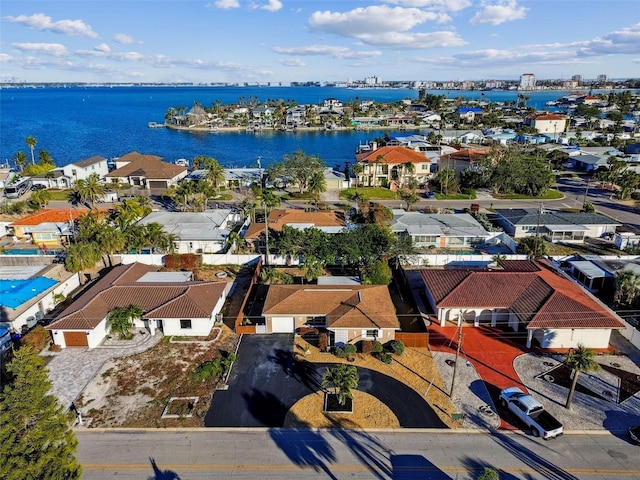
x,y
524,296
554,225
455,230
171,302
67,176
196,232
588,162
49,227
389,166
350,313
146,171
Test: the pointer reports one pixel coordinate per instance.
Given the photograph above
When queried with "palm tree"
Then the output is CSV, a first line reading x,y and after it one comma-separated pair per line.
x,y
31,143
580,359
357,169
215,172
120,319
45,158
410,168
317,185
20,159
627,287
41,198
90,190
111,240
81,256
342,378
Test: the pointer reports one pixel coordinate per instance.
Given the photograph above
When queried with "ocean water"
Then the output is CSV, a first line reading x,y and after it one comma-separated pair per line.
x,y
74,123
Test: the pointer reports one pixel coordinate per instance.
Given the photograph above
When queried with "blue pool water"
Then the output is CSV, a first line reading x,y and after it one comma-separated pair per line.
x,y
25,251
14,293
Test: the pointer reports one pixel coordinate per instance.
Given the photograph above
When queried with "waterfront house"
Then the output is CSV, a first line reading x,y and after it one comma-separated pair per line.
x,y
196,232
524,296
349,313
450,231
67,176
146,171
550,123
389,166
170,301
469,114
554,225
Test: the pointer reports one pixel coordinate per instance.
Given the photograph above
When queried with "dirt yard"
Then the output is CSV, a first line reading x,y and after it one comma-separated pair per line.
x,y
133,391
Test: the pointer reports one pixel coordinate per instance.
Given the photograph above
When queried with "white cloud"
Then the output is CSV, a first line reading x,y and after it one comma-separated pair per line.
x,y
5,58
626,40
226,4
53,49
495,14
271,6
123,38
363,21
326,50
438,5
401,40
291,62
103,47
40,21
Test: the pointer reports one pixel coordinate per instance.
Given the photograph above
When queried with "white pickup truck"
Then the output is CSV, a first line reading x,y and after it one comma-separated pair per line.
x,y
531,412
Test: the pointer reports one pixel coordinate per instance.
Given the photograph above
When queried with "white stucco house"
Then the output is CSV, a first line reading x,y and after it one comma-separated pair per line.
x,y
67,176
171,302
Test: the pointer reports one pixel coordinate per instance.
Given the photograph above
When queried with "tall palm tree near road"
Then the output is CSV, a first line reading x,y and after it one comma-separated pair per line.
x,y
357,169
20,159
580,359
90,190
317,185
31,143
81,256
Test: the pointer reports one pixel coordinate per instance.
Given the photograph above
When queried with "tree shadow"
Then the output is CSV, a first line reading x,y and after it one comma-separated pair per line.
x,y
305,448
371,453
543,467
266,408
300,370
162,474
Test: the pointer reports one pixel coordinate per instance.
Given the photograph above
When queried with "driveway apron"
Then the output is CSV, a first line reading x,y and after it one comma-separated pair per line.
x,y
267,380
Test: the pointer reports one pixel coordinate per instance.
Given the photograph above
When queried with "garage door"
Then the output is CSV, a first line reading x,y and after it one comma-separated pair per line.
x,y
157,184
281,324
76,339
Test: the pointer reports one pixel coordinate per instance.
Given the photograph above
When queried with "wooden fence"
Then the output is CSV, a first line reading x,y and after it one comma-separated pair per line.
x,y
413,339
239,327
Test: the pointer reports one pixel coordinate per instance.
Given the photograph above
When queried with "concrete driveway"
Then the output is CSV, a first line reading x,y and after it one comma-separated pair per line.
x,y
267,380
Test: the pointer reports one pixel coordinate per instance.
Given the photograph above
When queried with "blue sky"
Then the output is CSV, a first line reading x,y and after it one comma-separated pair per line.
x,y
327,40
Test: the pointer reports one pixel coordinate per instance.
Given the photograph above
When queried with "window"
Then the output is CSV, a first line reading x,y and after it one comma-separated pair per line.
x,y
185,323
425,166
370,334
316,321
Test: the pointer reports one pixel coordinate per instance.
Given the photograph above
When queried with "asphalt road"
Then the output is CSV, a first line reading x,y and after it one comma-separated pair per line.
x,y
267,380
337,454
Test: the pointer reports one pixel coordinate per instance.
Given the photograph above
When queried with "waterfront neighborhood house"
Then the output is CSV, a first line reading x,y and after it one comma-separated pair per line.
x,y
393,167
171,302
67,176
146,171
196,232
524,296
554,225
349,313
427,230
553,124
48,228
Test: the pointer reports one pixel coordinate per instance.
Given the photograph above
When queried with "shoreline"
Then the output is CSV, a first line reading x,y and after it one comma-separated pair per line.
x,y
296,130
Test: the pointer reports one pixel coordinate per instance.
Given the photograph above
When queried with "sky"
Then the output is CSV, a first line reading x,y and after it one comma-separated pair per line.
x,y
168,41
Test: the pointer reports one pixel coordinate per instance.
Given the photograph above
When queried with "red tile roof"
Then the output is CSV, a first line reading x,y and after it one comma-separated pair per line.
x,y
352,306
393,155
541,297
118,288
58,215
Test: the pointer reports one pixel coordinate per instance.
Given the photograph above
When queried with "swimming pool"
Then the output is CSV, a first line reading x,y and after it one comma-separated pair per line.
x,y
14,293
26,251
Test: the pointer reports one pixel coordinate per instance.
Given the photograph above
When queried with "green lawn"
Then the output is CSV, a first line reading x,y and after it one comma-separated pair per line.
x,y
369,193
550,195
60,194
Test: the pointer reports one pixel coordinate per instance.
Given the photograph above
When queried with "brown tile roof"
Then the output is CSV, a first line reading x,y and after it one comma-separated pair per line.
x,y
149,166
58,215
280,217
353,306
540,296
392,155
118,288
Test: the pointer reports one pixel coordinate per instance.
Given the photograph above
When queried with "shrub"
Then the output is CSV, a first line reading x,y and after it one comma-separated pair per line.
x,y
386,358
366,346
350,349
38,338
339,352
323,342
208,370
302,331
398,347
489,474
376,347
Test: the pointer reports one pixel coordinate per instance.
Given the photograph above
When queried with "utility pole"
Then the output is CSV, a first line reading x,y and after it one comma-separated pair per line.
x,y
586,194
537,241
266,234
455,364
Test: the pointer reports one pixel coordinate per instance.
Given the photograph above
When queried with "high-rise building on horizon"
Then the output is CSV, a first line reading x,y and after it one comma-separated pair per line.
x,y
601,79
527,81
577,78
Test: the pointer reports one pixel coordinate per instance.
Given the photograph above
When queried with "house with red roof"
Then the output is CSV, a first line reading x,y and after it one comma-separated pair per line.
x,y
49,227
350,313
170,301
521,296
393,166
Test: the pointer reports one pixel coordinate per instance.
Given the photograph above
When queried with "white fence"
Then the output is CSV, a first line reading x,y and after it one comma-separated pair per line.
x,y
631,333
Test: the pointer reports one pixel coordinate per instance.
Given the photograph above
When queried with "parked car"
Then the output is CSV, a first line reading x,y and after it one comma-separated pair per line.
x,y
634,434
531,412
38,186
430,194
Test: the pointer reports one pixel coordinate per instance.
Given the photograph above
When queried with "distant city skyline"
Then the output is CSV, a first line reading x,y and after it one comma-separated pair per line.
x,y
229,41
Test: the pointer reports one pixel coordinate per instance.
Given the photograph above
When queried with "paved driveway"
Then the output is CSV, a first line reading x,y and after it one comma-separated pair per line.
x,y
266,381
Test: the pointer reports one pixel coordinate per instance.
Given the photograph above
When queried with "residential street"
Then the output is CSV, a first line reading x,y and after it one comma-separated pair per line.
x,y
276,453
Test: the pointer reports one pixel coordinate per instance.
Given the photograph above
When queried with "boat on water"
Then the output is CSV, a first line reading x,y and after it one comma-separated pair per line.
x,y
155,125
183,162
